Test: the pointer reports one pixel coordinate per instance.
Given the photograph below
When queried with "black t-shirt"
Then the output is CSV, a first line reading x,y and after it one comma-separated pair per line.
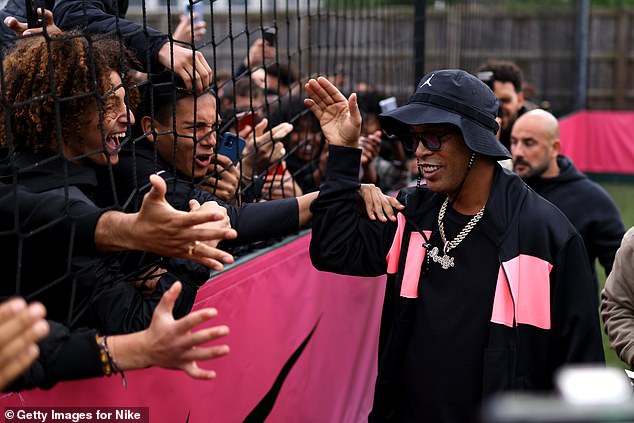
x,y
444,359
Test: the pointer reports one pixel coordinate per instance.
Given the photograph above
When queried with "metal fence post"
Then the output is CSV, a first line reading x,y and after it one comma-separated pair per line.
x,y
583,23
419,40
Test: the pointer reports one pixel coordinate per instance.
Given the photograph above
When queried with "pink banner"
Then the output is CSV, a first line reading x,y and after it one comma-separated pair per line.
x,y
599,142
271,304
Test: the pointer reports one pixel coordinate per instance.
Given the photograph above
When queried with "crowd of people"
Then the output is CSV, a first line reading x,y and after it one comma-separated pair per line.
x,y
148,170
120,170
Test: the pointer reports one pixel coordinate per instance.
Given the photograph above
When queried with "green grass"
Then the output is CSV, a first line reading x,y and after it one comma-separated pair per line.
x,y
623,194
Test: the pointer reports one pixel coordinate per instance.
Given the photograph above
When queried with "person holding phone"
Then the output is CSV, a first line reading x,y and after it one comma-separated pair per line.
x,y
182,153
261,52
192,19
51,239
63,161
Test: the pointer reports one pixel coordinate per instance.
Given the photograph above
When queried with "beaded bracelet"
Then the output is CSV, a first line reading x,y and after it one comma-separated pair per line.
x,y
113,364
103,357
108,365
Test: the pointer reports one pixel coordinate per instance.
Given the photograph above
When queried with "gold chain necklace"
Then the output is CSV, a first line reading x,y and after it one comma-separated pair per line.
x,y
446,261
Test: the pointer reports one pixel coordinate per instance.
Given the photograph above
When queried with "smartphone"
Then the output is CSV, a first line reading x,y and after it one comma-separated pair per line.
x,y
33,19
270,36
247,119
231,145
196,8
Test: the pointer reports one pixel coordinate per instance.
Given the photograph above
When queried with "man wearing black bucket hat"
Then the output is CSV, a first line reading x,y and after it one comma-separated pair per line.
x,y
489,287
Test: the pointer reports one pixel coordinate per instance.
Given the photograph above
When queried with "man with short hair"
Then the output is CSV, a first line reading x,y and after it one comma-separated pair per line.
x,y
489,288
176,138
535,146
505,79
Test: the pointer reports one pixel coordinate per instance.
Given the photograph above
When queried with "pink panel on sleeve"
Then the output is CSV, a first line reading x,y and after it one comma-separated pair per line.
x,y
413,264
529,279
395,249
502,302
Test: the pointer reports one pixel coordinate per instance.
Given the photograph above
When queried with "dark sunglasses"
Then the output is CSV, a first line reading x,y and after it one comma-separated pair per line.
x,y
430,140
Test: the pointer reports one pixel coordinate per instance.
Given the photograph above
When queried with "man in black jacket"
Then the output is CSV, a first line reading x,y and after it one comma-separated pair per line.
x,y
535,147
488,286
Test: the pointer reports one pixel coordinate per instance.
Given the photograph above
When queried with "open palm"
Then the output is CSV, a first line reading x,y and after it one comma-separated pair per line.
x,y
339,117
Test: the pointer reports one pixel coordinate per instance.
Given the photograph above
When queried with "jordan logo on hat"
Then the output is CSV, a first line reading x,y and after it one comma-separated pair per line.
x,y
428,82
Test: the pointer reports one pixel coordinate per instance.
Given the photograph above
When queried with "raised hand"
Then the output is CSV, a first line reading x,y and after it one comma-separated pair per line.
x,y
339,117
183,32
259,53
263,147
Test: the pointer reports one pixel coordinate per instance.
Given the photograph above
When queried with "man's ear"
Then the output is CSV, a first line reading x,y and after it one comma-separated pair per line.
x,y
520,99
556,146
146,125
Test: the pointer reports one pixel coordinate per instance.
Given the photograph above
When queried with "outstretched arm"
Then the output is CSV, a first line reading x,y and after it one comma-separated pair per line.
x,y
159,228
376,204
104,16
165,343
170,343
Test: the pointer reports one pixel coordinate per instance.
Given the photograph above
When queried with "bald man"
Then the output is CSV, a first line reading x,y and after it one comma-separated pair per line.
x,y
535,147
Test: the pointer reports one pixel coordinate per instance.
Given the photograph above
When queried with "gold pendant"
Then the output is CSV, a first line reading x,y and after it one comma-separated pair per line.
x,y
446,261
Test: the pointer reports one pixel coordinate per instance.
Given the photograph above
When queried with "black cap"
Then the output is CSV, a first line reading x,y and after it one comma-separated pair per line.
x,y
456,97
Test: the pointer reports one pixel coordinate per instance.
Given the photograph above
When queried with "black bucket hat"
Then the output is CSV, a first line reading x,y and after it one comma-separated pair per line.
x,y
456,97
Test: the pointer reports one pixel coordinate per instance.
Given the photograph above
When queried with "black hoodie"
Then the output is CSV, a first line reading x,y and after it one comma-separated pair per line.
x,y
79,287
589,208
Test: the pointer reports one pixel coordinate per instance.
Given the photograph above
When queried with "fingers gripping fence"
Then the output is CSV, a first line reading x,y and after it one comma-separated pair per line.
x,y
90,109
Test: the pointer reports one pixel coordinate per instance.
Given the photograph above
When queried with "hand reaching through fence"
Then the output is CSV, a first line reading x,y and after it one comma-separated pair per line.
x,y
263,147
169,343
22,28
379,205
183,61
161,229
213,206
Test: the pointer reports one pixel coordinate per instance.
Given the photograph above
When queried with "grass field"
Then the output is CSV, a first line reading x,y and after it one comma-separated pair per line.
x,y
623,194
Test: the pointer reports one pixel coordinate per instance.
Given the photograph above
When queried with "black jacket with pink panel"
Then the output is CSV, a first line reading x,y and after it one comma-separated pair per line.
x,y
545,308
